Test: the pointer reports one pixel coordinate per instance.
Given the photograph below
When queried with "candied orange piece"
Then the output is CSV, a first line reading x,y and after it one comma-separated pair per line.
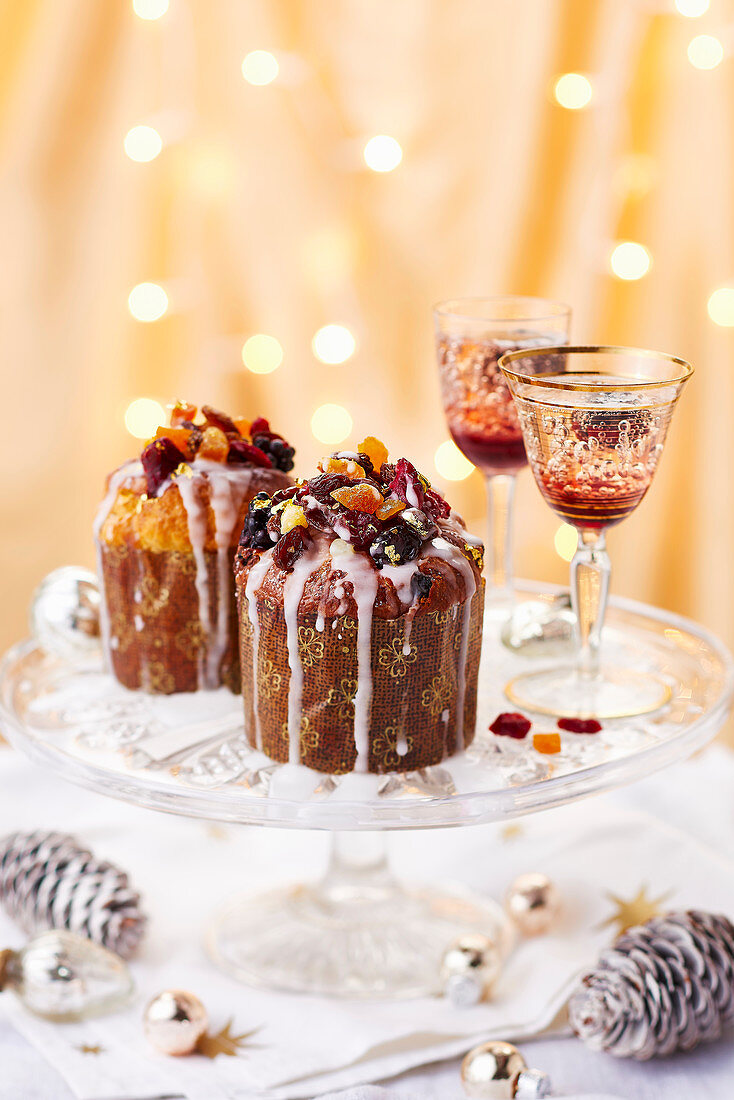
x,y
360,498
389,508
182,411
214,445
346,466
547,743
180,437
242,426
375,450
293,516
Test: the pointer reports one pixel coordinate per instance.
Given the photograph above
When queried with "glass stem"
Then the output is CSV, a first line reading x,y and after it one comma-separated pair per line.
x,y
498,551
358,866
590,572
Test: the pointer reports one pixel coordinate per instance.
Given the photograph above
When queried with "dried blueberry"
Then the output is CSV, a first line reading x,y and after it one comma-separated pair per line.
x,y
277,450
160,458
395,545
255,530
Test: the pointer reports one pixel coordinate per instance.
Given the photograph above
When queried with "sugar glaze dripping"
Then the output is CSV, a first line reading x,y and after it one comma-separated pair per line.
x,y
451,554
255,579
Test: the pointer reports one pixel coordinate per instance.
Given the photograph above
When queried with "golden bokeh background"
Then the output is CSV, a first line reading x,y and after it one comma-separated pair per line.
x,y
225,152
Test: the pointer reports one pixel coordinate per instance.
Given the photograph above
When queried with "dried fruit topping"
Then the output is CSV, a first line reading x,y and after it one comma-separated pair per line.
x,y
396,545
547,743
362,497
182,438
255,530
375,450
420,522
435,505
389,508
217,419
408,483
360,527
277,450
339,548
214,445
242,426
240,453
511,724
579,725
181,412
160,458
345,466
292,516
260,426
420,585
289,549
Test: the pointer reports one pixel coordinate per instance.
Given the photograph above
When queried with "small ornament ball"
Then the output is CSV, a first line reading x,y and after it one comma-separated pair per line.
x,y
65,613
497,1071
469,969
174,1021
533,902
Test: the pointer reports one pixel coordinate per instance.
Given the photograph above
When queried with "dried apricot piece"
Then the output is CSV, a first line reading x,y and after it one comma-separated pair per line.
x,y
389,508
293,516
242,426
181,437
359,498
182,411
547,743
375,450
346,466
214,445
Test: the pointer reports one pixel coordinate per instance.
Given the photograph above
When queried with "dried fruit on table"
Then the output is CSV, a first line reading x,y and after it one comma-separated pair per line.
x,y
547,743
359,498
511,724
375,450
579,725
214,445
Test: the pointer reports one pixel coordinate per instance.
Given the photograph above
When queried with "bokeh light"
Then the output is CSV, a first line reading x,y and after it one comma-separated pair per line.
x,y
565,540
333,344
147,302
143,143
630,260
150,9
573,91
692,9
260,67
705,52
143,416
451,463
721,306
262,354
382,153
331,423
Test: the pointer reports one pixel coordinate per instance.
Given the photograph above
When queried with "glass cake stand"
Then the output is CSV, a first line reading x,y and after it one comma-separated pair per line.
x,y
357,932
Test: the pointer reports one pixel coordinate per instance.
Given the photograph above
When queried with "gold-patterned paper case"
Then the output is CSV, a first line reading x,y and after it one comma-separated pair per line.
x,y
152,606
411,692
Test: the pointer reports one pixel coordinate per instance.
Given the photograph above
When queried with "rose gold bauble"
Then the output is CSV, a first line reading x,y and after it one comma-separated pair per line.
x,y
533,902
469,968
490,1071
174,1021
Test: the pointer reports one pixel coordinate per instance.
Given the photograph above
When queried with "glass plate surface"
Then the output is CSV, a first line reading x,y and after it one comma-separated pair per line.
x,y
188,754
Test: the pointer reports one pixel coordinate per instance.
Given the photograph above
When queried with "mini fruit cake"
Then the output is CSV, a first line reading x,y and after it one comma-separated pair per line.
x,y
360,602
166,536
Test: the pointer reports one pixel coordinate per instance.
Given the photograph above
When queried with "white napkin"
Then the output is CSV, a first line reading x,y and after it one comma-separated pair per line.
x,y
308,1045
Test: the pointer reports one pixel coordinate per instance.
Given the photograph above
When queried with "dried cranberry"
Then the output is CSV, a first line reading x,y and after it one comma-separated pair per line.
x,y
259,426
289,548
362,527
220,420
511,724
579,725
241,453
407,484
160,458
435,505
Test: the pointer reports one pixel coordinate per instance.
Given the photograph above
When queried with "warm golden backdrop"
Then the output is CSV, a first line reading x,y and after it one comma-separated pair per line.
x,y
260,215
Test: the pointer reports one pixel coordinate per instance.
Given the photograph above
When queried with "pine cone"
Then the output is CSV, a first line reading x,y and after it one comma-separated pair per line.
x,y
665,985
48,881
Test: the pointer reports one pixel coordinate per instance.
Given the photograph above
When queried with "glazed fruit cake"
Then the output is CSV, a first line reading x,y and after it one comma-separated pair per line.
x,y
360,602
166,535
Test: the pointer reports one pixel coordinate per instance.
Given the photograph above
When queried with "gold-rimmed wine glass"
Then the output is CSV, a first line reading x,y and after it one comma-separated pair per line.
x,y
594,421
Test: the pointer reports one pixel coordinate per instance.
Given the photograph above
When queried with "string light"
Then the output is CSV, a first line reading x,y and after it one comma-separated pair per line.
x,y
573,91
147,302
692,9
630,260
143,143
566,540
451,463
705,52
382,153
262,354
721,307
331,423
260,67
143,416
333,344
150,9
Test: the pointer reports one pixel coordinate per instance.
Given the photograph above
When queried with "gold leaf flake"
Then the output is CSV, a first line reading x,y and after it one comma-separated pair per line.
x,y
88,1048
512,831
635,911
223,1042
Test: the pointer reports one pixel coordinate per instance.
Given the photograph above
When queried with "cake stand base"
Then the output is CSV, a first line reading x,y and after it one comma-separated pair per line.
x,y
356,933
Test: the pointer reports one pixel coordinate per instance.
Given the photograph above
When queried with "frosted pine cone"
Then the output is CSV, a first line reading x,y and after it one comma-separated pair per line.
x,y
48,881
665,985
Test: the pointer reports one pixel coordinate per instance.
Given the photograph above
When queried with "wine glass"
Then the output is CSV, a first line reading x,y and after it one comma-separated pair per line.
x,y
471,335
594,421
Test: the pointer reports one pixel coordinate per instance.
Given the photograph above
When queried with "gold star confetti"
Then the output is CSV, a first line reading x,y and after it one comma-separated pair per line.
x,y
512,831
87,1048
224,1042
635,911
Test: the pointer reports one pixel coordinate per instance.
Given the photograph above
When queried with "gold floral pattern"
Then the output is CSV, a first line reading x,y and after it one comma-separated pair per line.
x,y
122,632
311,645
159,679
185,563
190,640
343,698
395,660
153,598
270,681
440,617
437,696
310,738
385,745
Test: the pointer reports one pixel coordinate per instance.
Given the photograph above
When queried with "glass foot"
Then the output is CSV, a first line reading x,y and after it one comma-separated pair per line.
x,y
540,628
357,933
615,693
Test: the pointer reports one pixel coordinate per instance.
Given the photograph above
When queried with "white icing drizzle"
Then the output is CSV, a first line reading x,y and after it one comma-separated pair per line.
x,y
227,496
196,517
255,578
293,588
451,554
364,579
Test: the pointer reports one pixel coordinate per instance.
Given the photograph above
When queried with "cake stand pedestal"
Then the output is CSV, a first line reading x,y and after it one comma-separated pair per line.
x,y
358,932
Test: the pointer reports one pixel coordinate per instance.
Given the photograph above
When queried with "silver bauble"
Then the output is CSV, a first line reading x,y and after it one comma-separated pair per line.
x,y
174,1021
65,613
533,902
490,1071
469,968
